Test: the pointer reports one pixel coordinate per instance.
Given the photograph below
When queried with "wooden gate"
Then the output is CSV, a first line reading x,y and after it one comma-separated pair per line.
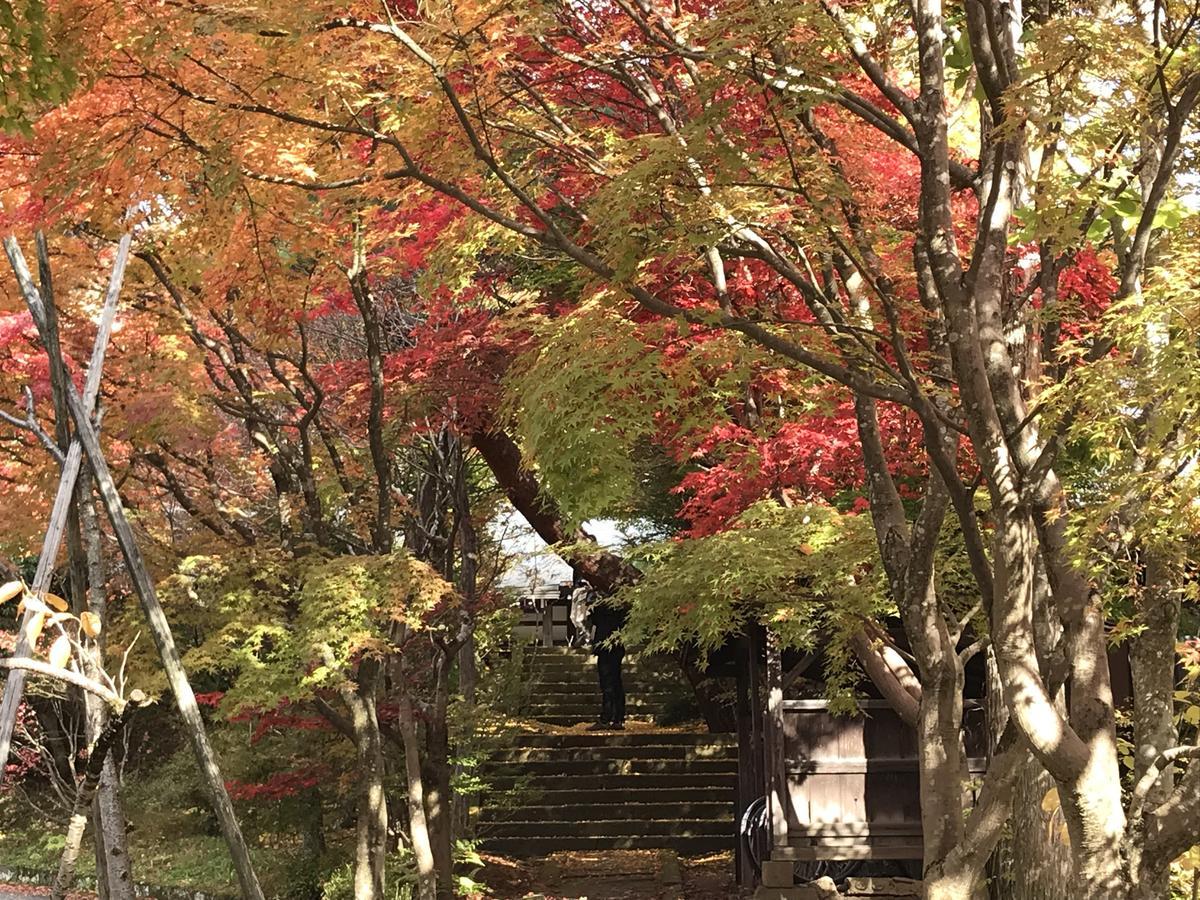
x,y
847,786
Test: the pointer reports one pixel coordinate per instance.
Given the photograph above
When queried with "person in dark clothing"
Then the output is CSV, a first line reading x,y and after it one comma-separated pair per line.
x,y
606,622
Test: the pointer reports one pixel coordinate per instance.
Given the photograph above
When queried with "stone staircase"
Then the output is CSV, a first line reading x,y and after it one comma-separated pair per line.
x,y
565,690
644,788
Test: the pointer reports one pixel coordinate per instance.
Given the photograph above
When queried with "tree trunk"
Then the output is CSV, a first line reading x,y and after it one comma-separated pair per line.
x,y
960,884
439,804
312,835
1033,860
113,836
84,796
113,874
417,826
1092,800
102,892
370,851
468,675
1152,661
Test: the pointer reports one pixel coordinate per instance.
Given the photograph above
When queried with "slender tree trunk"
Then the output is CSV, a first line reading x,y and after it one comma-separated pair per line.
x,y
117,868
112,843
417,825
84,796
1152,661
468,674
1033,861
102,892
370,851
312,835
439,803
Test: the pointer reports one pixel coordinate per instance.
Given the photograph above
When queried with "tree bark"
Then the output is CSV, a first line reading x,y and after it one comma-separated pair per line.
x,y
84,796
111,840
370,850
604,570
1152,663
438,798
417,826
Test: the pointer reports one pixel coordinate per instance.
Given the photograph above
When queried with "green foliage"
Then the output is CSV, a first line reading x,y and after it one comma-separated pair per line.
x,y
590,399
280,627
587,392
1131,450
36,846
401,876
809,573
400,872
33,67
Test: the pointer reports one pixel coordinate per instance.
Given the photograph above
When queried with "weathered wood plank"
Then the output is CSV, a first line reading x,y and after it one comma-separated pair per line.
x,y
778,798
160,630
14,688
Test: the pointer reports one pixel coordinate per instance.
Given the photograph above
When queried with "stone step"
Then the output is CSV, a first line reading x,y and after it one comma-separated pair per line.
x,y
591,694
543,846
610,812
613,767
641,751
611,828
552,781
578,698
591,687
570,721
579,659
567,798
588,709
625,739
586,672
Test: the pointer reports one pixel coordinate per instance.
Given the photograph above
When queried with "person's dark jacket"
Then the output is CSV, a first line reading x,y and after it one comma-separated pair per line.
x,y
607,621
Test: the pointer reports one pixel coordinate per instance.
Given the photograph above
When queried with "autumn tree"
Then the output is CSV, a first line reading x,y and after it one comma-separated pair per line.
x,y
910,208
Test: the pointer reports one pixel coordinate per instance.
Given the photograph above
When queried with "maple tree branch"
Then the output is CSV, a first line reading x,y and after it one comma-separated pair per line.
x,y
553,236
367,177
360,288
188,503
868,63
273,112
891,674
31,424
1168,831
1178,115
67,676
606,571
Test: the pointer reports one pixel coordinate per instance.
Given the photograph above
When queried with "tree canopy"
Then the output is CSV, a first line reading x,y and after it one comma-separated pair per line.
x,y
883,315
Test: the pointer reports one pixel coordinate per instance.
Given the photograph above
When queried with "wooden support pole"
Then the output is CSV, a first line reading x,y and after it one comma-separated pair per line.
x,y
160,630
778,795
548,624
750,762
15,685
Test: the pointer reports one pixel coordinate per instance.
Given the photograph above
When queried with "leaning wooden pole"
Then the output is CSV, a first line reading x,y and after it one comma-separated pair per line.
x,y
14,688
156,619
160,630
